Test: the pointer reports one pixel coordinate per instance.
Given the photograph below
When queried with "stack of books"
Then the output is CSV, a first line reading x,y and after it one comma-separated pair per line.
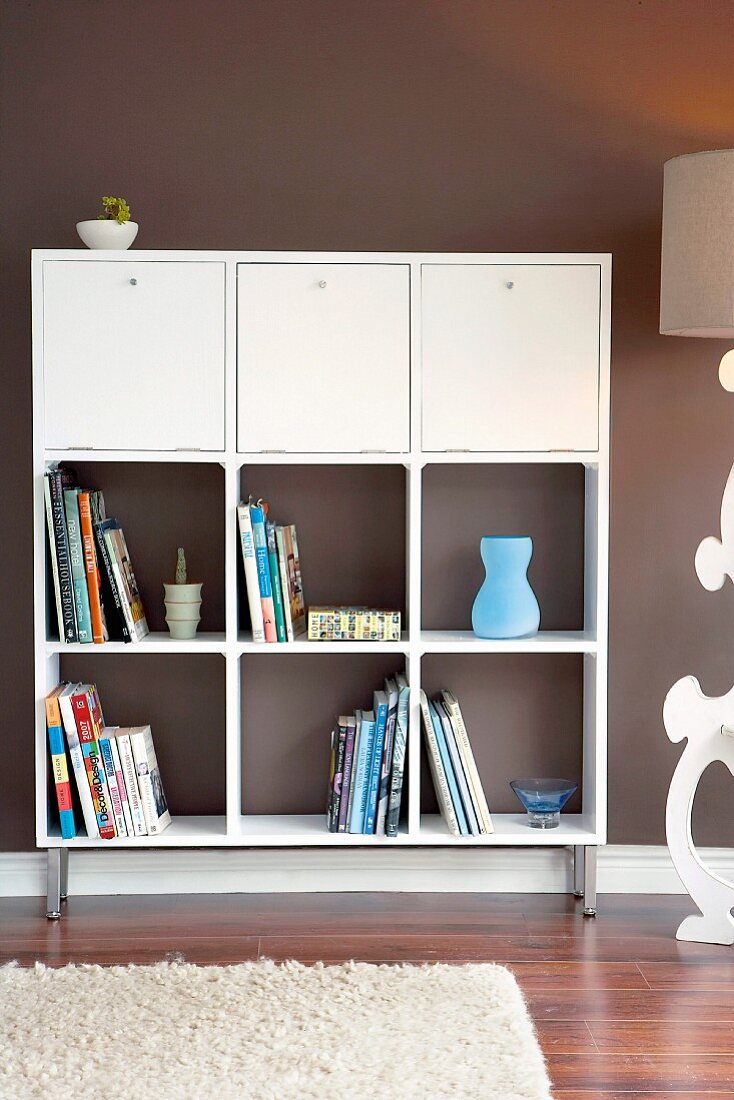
x,y
353,624
456,779
272,575
367,764
97,597
116,775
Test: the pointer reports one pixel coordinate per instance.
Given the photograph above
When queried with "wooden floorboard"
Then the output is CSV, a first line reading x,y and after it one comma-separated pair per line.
x,y
622,1009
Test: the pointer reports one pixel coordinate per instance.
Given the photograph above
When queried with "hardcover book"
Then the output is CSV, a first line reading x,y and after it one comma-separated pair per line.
x,y
155,807
391,689
366,719
250,566
82,704
96,610
77,760
260,541
448,770
398,757
78,569
121,785
111,599
127,760
105,749
289,562
131,602
275,582
438,774
58,480
380,704
457,767
353,624
467,756
59,769
350,725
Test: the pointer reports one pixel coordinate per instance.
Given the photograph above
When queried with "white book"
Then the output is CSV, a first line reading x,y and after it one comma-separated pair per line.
x,y
54,559
77,760
251,579
131,782
155,807
467,756
438,774
121,786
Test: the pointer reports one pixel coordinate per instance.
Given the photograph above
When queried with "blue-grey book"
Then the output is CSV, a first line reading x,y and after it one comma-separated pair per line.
x,y
78,568
448,769
461,782
366,720
380,703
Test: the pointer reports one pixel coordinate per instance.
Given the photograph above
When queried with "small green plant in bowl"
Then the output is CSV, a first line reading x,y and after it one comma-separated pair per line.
x,y
114,210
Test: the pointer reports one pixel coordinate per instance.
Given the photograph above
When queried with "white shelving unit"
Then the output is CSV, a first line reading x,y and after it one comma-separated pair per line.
x,y
421,331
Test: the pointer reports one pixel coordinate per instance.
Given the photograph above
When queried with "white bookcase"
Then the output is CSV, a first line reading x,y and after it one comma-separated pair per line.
x,y
406,359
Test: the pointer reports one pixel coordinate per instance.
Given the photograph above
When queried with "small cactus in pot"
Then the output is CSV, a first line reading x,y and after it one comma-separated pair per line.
x,y
183,601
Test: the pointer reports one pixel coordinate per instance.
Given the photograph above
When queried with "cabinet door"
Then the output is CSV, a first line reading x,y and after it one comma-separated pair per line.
x,y
510,357
133,355
323,357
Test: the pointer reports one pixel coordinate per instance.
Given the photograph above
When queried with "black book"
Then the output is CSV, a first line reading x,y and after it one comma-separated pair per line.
x,y
58,480
114,615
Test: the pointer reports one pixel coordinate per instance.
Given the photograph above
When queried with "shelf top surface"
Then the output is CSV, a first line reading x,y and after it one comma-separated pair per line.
x,y
39,255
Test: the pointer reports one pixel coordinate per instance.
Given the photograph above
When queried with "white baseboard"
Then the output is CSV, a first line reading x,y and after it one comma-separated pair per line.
x,y
622,869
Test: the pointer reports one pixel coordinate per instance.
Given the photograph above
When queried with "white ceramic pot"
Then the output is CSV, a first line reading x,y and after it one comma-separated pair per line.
x,y
184,629
182,593
107,234
182,611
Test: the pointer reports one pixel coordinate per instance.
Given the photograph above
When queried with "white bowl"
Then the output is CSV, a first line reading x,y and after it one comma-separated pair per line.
x,y
182,629
107,234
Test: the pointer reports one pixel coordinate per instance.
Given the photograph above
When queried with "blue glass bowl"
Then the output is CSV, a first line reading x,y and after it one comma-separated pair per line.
x,y
543,799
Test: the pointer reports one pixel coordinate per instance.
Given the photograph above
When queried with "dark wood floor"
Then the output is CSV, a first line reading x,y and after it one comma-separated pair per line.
x,y
622,1009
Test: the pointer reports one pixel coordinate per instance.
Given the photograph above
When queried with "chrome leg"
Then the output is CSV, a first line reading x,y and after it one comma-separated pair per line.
x,y
578,870
590,880
64,879
53,883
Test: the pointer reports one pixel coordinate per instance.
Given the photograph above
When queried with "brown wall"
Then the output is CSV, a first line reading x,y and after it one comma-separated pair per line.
x,y
400,124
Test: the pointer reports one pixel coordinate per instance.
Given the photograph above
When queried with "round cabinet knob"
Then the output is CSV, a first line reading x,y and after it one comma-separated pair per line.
x,y
322,283
133,282
509,285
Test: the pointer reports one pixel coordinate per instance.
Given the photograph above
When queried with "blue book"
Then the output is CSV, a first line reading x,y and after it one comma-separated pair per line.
x,y
366,720
59,768
78,567
260,541
448,731
448,770
380,703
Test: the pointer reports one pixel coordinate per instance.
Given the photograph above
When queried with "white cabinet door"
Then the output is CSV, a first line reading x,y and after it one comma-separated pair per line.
x,y
510,357
323,357
133,354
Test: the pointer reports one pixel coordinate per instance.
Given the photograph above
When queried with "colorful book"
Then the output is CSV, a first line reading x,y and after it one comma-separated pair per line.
x,y
380,705
105,749
275,582
467,824
355,758
82,704
398,757
78,764
155,807
458,768
96,611
132,604
59,768
467,756
260,542
127,760
353,624
438,774
289,562
383,795
121,785
57,481
250,565
111,599
350,725
336,786
78,570
366,720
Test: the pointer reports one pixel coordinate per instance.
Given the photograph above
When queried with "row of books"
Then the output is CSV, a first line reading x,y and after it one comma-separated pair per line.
x,y
117,781
458,785
367,764
97,597
272,574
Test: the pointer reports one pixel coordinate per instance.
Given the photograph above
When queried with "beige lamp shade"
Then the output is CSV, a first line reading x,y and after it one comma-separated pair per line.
x,y
697,271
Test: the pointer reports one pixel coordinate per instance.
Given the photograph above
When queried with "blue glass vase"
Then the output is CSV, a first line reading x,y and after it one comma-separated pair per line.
x,y
505,605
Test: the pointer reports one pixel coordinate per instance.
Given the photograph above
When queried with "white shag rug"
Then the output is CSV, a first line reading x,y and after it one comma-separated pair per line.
x,y
263,1031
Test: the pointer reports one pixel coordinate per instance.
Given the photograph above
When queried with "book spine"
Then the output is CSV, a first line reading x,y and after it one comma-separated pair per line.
x,y
121,786
398,764
119,582
298,607
52,552
370,813
338,784
434,762
78,766
146,763
448,770
93,763
59,768
330,790
361,775
108,760
458,769
131,784
284,581
250,564
263,572
347,777
90,567
114,605
275,583
470,768
61,539
134,599
383,793
78,571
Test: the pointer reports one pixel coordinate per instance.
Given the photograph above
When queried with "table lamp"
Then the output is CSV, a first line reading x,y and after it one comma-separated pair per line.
x,y
697,299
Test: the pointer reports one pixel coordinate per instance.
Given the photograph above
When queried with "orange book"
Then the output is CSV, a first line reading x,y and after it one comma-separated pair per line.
x,y
99,633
